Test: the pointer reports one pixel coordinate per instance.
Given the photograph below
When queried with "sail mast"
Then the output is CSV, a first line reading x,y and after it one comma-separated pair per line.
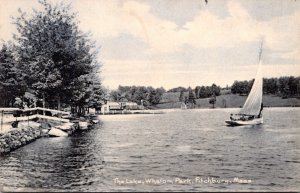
x,y
260,52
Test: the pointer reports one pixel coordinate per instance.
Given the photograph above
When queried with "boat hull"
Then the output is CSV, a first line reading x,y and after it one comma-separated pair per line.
x,y
83,125
240,122
54,132
95,121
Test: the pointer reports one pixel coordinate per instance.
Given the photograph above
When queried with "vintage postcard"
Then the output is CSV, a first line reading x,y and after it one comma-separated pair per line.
x,y
149,95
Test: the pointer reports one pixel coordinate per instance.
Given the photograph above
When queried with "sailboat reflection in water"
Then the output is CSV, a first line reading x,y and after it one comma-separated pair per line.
x,y
251,113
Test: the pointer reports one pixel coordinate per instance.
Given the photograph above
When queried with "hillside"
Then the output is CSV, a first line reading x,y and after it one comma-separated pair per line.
x,y
171,100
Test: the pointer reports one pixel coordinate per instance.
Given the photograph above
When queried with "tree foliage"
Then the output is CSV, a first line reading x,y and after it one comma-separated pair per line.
x,y
57,61
12,82
207,91
178,89
199,91
191,97
181,96
283,86
149,95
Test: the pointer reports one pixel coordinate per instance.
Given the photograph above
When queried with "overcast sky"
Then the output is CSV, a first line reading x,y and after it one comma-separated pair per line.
x,y
173,43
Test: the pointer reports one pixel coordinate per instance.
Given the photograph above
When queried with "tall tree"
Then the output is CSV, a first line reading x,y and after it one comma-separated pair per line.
x,y
141,94
181,96
215,90
191,97
213,100
155,95
12,82
197,92
293,85
204,92
56,55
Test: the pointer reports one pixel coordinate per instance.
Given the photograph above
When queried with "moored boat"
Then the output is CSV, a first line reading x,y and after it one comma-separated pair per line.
x,y
54,132
95,121
83,125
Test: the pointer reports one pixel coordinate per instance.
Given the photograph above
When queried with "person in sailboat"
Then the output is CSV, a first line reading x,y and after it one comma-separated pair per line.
x,y
231,117
243,118
251,117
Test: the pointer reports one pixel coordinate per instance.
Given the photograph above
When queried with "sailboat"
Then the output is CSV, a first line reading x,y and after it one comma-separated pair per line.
x,y
251,113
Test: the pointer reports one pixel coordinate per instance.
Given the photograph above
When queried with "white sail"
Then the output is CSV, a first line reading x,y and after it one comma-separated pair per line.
x,y
253,103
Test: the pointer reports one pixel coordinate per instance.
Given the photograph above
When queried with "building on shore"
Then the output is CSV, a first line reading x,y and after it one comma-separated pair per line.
x,y
115,107
129,105
110,107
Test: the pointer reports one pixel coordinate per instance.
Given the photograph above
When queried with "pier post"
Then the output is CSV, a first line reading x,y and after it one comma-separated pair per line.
x,y
43,103
2,120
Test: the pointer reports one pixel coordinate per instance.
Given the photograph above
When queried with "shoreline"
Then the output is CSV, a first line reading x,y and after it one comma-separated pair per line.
x,y
26,132
166,110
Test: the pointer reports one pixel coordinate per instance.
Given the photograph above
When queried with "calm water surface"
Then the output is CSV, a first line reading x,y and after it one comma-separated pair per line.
x,y
185,144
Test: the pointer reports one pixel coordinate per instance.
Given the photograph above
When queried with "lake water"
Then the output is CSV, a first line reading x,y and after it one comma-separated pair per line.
x,y
181,150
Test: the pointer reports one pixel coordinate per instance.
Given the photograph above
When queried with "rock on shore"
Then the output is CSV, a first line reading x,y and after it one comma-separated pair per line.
x,y
18,137
30,131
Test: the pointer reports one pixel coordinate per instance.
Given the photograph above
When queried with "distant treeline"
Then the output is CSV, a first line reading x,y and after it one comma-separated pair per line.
x,y
288,86
199,91
152,96
284,86
140,94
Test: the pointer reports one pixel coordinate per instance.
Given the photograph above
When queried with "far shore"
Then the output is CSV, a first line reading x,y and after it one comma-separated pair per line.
x,y
227,101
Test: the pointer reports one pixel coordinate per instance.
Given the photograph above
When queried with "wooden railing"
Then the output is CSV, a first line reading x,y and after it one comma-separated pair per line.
x,y
27,116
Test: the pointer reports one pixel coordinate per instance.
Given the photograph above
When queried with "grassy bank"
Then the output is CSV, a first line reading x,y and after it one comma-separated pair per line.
x,y
171,100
